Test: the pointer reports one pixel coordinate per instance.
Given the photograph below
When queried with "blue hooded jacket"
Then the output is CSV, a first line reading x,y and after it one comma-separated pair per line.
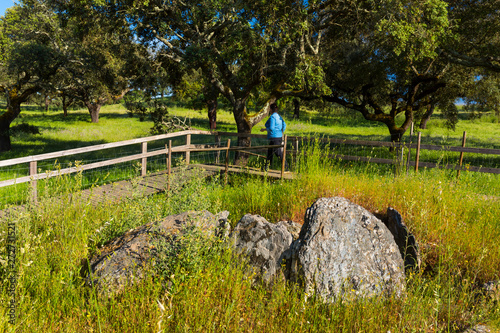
x,y
276,126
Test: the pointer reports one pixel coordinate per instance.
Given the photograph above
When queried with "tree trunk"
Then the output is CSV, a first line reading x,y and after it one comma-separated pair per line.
x,y
94,109
397,136
212,113
47,103
244,127
5,144
211,94
296,108
427,116
13,110
65,106
14,100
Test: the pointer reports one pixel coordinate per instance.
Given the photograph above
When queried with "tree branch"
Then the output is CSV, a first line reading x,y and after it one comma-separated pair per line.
x,y
491,63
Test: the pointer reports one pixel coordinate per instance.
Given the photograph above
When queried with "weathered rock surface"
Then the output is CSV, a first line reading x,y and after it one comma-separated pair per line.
x,y
478,329
123,260
345,251
406,242
264,244
492,290
292,227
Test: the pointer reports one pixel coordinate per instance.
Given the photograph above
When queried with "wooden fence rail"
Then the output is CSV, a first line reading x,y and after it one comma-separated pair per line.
x,y
189,148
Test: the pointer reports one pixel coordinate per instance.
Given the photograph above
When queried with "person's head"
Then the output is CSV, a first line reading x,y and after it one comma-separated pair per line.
x,y
274,107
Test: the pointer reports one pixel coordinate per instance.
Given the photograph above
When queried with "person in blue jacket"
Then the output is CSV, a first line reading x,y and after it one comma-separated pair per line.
x,y
275,127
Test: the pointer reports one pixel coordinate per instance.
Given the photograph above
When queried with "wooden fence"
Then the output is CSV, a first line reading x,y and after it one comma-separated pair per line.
x,y
189,148
402,147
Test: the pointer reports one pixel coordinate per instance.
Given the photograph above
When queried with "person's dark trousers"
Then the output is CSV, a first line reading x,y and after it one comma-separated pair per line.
x,y
275,151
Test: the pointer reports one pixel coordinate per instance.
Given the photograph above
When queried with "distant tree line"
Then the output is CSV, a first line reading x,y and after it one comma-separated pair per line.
x,y
392,61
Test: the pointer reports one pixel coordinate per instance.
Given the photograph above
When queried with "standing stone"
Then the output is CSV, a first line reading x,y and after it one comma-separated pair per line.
x,y
345,251
263,243
405,240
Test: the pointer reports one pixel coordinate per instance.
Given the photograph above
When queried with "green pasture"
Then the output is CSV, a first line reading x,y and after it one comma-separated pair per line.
x,y
205,288
456,222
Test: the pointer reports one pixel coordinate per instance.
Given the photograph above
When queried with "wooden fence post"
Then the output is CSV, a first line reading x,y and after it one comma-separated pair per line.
x,y
295,149
409,149
394,148
401,165
417,158
283,160
461,154
144,160
399,160
188,153
169,163
227,161
217,141
34,183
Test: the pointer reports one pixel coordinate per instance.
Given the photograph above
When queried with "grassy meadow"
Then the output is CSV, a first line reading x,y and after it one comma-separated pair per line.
x,y
456,223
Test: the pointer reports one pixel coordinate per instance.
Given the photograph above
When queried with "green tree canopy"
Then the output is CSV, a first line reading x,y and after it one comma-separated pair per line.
x,y
238,45
103,59
30,56
400,59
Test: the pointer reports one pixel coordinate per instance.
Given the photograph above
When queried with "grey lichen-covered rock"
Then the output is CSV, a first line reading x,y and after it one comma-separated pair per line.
x,y
263,243
123,260
292,227
492,290
223,228
478,329
345,251
405,240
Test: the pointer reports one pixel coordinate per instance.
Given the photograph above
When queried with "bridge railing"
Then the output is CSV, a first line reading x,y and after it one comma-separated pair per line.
x,y
35,174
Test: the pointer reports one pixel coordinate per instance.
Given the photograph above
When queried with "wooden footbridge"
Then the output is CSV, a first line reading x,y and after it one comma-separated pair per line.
x,y
149,183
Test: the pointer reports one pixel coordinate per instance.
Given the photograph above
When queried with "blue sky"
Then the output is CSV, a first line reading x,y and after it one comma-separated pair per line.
x,y
4,4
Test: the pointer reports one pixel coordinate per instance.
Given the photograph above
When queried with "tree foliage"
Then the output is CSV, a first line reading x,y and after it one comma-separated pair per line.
x,y
238,45
393,61
104,61
393,65
30,57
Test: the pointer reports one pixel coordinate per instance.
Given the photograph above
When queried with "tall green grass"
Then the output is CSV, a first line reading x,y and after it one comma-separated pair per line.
x,y
456,225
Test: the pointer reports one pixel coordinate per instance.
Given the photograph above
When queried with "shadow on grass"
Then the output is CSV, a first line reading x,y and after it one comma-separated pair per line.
x,y
73,116
222,126
354,121
38,144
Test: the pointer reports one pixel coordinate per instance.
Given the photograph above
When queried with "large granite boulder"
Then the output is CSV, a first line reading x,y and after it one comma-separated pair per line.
x,y
344,251
263,243
124,260
405,240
